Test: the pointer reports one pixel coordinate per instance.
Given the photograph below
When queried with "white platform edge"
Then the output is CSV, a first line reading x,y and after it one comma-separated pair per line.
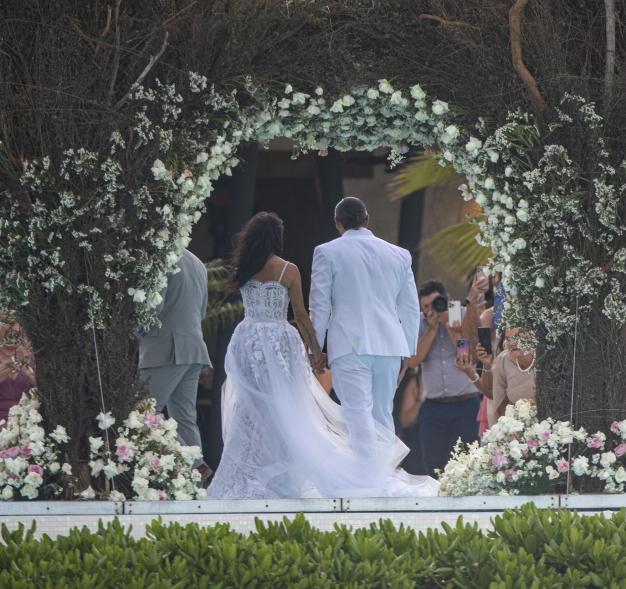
x,y
288,506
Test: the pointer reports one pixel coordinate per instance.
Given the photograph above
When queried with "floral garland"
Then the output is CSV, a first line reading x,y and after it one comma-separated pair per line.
x,y
521,455
530,194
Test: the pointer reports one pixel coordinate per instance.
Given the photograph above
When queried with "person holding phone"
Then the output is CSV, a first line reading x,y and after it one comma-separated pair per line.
x,y
451,399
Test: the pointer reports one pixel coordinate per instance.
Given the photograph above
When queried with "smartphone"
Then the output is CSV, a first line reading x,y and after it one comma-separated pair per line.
x,y
454,312
462,348
484,339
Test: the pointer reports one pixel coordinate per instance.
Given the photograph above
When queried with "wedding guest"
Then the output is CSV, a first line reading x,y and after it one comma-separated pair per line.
x,y
172,356
513,375
16,373
410,399
451,398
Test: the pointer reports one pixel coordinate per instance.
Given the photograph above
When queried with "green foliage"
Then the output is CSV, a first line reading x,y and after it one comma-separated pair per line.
x,y
528,548
220,312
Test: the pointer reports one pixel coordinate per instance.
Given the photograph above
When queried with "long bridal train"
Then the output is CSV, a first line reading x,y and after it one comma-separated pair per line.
x,y
283,436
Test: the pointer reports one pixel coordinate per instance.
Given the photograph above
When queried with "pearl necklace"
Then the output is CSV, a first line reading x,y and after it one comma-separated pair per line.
x,y
525,369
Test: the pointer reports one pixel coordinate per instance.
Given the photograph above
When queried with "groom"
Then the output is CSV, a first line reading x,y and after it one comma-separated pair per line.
x,y
364,302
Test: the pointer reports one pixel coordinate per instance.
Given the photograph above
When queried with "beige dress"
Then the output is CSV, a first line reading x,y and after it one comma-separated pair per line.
x,y
510,384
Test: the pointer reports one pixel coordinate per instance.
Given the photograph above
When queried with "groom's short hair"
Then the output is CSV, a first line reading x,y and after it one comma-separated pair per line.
x,y
351,213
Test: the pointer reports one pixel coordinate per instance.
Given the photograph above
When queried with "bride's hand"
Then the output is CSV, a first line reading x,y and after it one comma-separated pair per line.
x,y
318,362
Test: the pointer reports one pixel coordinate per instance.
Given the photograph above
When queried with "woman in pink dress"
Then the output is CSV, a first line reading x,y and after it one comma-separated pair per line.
x,y
16,373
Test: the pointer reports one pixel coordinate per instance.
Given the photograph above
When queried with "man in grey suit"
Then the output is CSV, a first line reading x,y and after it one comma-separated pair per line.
x,y
172,356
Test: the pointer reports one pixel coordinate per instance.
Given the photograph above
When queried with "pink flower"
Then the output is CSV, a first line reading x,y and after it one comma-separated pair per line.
x,y
620,450
512,437
532,443
510,473
124,453
162,496
499,459
35,468
594,442
615,427
545,435
562,465
10,452
154,463
153,420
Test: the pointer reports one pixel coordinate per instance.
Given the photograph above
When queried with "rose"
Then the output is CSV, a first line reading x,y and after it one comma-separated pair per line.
x,y
499,459
620,450
36,468
607,459
562,465
595,442
124,452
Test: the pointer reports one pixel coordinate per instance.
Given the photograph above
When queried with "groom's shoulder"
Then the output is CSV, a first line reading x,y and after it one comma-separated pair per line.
x,y
392,248
328,246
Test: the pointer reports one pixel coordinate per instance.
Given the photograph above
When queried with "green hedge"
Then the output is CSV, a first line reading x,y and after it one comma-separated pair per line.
x,y
528,548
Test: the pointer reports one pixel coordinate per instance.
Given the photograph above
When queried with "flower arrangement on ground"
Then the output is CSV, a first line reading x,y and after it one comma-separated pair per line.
x,y
143,459
31,464
521,455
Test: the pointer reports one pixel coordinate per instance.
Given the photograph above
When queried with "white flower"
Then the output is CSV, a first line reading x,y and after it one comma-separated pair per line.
x,y
140,485
494,156
66,468
509,220
519,244
440,107
417,93
139,296
451,133
313,109
96,467
54,467
385,87
337,106
34,479
117,496
489,184
288,89
522,215
508,171
473,145
110,470
159,170
348,100
133,421
60,435
539,282
398,100
88,494
319,91
620,475
202,157
372,93
95,444
105,420
299,98
7,493
607,459
29,492
552,472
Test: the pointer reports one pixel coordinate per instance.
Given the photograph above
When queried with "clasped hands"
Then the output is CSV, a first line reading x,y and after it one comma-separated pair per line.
x,y
319,363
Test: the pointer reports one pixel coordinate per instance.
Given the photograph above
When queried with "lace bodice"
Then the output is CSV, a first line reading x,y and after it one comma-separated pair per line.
x,y
265,301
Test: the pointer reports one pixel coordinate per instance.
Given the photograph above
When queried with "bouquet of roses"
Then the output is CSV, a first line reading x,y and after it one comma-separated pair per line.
x,y
143,458
30,460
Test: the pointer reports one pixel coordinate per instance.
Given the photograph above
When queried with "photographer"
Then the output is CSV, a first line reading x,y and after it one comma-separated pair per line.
x,y
451,398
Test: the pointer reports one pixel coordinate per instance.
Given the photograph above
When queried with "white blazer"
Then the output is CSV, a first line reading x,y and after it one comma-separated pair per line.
x,y
363,297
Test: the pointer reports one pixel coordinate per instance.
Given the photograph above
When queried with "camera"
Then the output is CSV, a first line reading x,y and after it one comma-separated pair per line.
x,y
440,304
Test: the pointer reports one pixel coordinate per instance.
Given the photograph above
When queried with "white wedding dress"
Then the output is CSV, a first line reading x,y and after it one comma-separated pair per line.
x,y
284,437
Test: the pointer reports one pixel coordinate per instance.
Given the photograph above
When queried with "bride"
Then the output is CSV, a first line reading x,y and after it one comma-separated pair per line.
x,y
283,435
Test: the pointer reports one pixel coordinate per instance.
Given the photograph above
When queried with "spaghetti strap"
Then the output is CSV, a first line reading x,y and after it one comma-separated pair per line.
x,y
280,278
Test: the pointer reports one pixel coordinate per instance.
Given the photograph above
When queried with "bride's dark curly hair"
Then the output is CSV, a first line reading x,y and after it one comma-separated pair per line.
x,y
260,239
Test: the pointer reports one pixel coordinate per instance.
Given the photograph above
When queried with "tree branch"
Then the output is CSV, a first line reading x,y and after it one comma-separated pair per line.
x,y
144,73
116,55
515,25
609,74
447,23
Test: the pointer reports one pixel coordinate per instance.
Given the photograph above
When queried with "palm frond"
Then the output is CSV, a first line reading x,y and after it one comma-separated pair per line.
x,y
221,313
455,249
421,171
